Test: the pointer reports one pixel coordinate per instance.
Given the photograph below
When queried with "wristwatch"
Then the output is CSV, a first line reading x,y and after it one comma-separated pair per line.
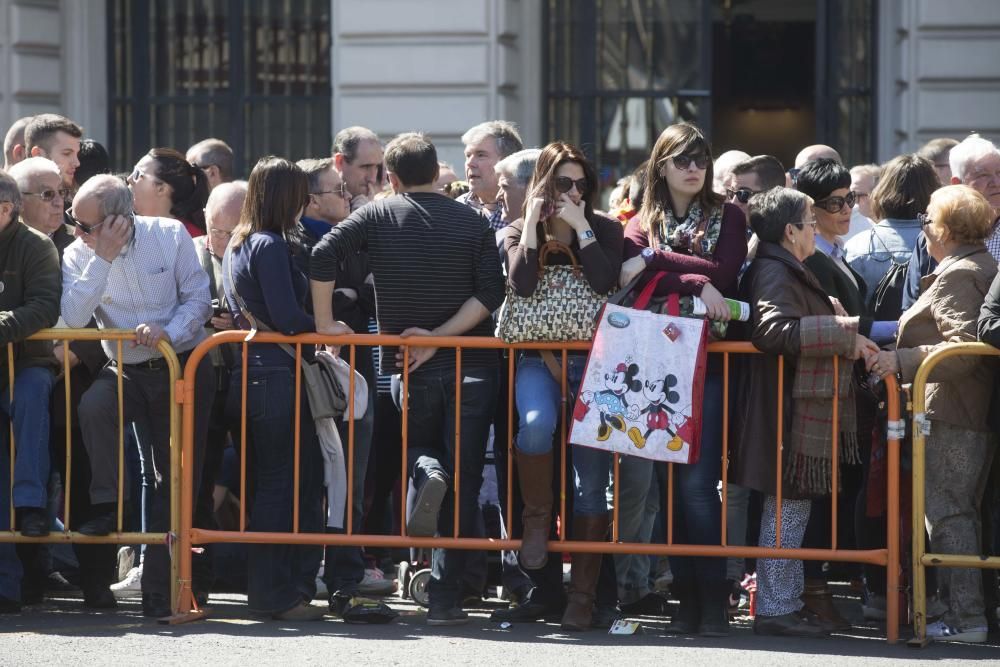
x,y
647,255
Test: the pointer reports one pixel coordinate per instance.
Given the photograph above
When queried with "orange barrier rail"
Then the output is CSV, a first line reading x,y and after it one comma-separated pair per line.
x,y
189,536
119,337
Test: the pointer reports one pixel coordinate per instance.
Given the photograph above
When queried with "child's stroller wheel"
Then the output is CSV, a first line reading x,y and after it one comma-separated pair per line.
x,y
405,574
418,587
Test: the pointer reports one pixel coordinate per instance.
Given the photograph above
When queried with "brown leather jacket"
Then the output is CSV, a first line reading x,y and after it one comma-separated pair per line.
x,y
947,312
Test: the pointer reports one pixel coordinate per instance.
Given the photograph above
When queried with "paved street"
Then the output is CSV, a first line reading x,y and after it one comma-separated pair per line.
x,y
60,632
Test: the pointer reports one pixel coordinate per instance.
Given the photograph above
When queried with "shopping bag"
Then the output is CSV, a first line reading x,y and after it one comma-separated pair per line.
x,y
644,382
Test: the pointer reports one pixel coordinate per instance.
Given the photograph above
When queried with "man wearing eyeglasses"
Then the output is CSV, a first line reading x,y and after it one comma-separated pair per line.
x,y
29,294
142,274
329,204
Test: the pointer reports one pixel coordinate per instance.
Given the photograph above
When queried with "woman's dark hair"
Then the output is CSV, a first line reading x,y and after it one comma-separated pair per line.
x,y
904,188
819,178
678,139
276,194
637,186
542,183
94,159
188,185
773,210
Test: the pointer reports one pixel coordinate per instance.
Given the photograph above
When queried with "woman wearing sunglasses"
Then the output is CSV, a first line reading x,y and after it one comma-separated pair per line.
x,y
828,183
560,207
685,230
165,185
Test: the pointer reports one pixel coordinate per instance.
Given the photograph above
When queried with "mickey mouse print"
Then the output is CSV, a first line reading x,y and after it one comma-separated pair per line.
x,y
642,390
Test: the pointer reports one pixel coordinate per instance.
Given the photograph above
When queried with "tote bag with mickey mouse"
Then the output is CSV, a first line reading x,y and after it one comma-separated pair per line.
x,y
642,389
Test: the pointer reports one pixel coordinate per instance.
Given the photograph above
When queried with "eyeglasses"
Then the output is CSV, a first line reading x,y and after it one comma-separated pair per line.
x,y
138,174
858,196
342,191
742,195
987,175
682,162
836,204
805,223
83,226
48,195
221,233
565,184
924,219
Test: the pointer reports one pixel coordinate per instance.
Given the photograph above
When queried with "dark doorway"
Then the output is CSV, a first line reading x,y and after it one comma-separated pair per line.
x,y
764,77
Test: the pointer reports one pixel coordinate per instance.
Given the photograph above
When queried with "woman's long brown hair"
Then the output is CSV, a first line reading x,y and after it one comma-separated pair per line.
x,y
276,193
542,183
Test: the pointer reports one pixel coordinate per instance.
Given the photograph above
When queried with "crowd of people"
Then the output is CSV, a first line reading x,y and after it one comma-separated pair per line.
x,y
876,265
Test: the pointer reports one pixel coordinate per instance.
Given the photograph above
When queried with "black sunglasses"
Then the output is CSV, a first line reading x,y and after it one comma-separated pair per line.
x,y
742,195
83,226
682,162
565,184
835,204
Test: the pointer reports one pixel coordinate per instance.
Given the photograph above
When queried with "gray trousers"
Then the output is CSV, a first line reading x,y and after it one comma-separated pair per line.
x,y
958,464
638,504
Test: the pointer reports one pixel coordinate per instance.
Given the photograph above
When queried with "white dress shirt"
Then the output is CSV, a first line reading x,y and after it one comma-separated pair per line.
x,y
157,279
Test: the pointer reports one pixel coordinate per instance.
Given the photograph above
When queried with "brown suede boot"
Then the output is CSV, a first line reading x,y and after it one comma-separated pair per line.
x,y
535,473
583,574
818,601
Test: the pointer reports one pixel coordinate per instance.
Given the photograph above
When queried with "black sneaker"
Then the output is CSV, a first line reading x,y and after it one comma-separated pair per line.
x,y
652,604
34,522
423,519
155,605
452,616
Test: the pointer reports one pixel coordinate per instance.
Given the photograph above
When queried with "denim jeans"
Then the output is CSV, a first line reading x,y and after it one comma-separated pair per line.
x,y
345,566
431,429
697,507
537,394
279,576
30,414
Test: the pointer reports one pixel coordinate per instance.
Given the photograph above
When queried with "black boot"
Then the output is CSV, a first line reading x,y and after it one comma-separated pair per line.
x,y
688,617
713,598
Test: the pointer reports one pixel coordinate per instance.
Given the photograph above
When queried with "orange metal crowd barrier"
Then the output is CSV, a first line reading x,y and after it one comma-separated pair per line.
x,y
189,536
63,337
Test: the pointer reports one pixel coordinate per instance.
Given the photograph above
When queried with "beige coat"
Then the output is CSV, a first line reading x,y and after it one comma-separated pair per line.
x,y
947,312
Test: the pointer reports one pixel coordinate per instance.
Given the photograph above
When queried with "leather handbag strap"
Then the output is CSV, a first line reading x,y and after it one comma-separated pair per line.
x,y
553,247
549,359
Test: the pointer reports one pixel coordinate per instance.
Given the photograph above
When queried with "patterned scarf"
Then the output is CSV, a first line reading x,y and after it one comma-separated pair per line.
x,y
808,464
696,234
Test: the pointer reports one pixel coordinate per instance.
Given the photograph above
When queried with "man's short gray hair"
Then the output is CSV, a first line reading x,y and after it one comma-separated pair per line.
x,y
519,166
314,169
347,141
209,152
24,171
112,194
503,131
10,192
971,149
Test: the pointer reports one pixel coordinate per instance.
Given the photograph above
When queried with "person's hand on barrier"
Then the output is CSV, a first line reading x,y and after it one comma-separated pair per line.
x,y
838,308
149,335
418,355
338,328
58,351
715,304
223,322
863,348
884,363
630,269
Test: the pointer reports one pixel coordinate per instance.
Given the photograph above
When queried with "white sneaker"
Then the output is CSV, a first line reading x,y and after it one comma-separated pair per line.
x,y
941,632
130,586
126,561
321,592
376,583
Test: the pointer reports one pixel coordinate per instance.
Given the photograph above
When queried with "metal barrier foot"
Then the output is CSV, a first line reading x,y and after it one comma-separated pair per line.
x,y
184,617
917,642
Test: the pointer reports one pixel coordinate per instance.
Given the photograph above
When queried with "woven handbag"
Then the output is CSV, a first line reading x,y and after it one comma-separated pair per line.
x,y
563,306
